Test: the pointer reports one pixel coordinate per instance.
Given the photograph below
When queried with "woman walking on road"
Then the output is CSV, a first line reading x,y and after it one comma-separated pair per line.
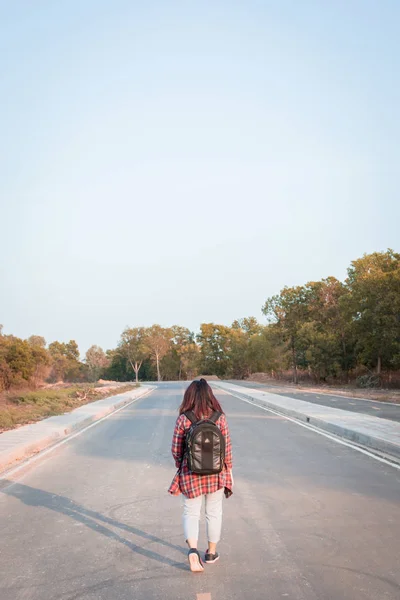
x,y
201,447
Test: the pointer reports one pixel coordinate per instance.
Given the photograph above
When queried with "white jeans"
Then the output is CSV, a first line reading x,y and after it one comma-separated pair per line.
x,y
191,516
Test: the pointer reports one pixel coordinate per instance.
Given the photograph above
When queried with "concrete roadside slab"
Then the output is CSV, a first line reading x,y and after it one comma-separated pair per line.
x,y
380,435
19,444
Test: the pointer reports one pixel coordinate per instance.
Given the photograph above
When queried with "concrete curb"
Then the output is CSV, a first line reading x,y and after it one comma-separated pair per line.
x,y
361,430
20,444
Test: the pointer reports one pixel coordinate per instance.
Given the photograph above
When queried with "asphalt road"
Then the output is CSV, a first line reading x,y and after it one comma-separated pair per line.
x,y
366,407
310,518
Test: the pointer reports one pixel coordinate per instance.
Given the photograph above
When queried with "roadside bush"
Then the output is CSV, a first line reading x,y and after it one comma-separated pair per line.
x,y
368,381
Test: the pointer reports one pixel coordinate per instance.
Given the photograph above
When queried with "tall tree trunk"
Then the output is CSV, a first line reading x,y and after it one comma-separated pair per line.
x,y
294,362
180,369
158,368
379,365
133,365
345,363
136,368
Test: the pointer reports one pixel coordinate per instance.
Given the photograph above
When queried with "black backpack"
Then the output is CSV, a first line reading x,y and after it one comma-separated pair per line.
x,y
205,445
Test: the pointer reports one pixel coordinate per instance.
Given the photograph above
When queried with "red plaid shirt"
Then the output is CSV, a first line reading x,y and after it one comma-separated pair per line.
x,y
189,484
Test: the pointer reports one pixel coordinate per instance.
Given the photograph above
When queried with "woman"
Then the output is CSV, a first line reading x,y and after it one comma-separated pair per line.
x,y
200,400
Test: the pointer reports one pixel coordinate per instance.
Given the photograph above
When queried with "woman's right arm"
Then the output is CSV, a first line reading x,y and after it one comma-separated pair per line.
x,y
178,440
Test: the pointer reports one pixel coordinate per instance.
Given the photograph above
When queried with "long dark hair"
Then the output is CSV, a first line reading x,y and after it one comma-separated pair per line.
x,y
200,399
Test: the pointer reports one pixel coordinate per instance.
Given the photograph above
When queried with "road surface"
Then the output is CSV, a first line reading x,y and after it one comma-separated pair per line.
x,y
310,518
367,407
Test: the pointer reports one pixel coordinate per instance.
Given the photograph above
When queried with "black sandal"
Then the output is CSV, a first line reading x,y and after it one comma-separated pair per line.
x,y
195,563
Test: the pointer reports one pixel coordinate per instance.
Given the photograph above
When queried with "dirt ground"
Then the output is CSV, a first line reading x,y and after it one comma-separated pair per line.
x,y
28,406
348,391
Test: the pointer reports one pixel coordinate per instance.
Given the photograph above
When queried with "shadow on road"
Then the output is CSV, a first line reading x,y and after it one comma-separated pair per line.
x,y
40,498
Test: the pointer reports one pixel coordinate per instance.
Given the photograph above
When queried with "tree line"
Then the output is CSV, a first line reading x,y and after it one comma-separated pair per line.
x,y
30,363
327,330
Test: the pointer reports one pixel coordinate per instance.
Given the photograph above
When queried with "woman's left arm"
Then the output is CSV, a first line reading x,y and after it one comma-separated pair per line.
x,y
228,444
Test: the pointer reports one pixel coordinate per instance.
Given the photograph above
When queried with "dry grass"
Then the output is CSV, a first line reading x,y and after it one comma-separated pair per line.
x,y
23,407
347,391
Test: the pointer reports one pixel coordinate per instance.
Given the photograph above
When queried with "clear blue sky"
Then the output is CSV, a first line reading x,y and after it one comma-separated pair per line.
x,y
179,162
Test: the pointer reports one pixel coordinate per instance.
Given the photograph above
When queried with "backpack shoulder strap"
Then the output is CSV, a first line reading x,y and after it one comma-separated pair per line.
x,y
191,416
215,416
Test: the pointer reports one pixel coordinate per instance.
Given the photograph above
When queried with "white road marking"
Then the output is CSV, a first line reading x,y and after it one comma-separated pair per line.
x,y
338,395
343,397
323,433
40,455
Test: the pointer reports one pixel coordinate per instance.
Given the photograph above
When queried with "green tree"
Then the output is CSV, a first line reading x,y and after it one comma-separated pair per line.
x,y
148,370
41,359
214,342
72,350
5,371
118,368
133,346
326,336
65,361
158,340
289,310
238,357
170,365
20,360
243,335
374,303
181,338
96,361
190,360
249,325
321,350
37,341
266,351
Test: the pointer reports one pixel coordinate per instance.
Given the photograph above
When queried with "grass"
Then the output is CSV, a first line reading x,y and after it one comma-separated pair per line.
x,y
20,408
